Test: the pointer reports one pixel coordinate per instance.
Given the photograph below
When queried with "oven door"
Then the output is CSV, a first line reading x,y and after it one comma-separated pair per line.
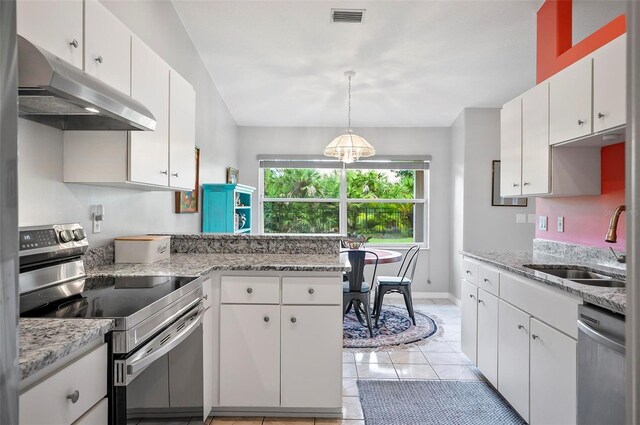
x,y
163,378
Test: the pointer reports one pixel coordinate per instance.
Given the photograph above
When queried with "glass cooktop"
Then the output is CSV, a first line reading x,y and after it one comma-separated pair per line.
x,y
99,297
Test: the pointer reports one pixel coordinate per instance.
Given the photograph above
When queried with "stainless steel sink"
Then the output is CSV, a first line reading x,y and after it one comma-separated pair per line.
x,y
569,273
605,283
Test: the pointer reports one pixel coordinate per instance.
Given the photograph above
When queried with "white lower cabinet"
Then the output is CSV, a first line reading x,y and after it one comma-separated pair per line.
x,y
52,400
513,355
553,376
487,351
250,355
311,357
469,325
523,342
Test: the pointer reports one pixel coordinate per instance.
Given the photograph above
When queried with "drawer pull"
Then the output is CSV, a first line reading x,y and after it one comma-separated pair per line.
x,y
294,320
266,319
487,280
480,301
600,115
580,122
74,396
311,291
468,271
471,296
534,336
249,290
520,327
74,43
99,59
205,297
516,185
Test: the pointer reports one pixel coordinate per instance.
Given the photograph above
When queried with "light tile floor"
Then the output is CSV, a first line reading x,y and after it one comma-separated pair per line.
x,y
438,358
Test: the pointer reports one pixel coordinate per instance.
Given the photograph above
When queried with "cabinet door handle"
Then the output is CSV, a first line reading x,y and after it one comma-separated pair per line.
x,y
600,115
205,297
516,185
480,301
487,280
534,336
74,396
165,172
249,290
311,291
580,122
468,271
99,59
527,183
471,296
520,327
266,319
74,43
174,174
294,320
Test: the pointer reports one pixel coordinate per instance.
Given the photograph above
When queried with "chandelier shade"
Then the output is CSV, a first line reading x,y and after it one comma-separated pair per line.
x,y
349,147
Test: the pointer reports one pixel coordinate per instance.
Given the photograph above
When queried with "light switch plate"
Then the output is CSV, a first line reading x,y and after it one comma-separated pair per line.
x,y
521,218
531,218
560,224
542,223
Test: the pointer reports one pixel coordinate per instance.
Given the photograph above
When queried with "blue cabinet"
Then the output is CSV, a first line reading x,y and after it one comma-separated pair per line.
x,y
226,208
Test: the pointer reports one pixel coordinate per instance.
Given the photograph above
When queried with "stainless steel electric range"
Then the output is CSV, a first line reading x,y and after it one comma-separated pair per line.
x,y
155,349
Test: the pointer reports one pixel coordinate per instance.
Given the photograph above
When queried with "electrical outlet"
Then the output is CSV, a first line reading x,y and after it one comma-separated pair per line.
x,y
542,223
560,224
97,226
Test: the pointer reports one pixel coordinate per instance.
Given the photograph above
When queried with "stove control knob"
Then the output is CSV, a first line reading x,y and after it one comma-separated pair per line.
x,y
79,234
66,236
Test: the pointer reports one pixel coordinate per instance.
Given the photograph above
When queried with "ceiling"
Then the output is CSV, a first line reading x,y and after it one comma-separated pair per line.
x,y
418,63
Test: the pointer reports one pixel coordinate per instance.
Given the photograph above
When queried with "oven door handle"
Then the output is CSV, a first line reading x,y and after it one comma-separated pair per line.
x,y
171,340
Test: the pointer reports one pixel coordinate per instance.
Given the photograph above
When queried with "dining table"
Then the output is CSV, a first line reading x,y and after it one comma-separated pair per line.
x,y
385,256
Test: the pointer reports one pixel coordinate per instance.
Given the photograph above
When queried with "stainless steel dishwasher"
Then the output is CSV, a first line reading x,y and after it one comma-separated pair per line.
x,y
601,367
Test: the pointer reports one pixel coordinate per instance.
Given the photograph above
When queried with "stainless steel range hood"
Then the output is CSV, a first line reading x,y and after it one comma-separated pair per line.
x,y
53,92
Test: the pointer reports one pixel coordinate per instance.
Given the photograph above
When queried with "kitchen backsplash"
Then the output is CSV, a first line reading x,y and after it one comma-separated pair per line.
x,y
579,254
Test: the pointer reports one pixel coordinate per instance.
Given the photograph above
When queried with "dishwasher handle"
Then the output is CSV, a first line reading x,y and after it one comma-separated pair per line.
x,y
598,337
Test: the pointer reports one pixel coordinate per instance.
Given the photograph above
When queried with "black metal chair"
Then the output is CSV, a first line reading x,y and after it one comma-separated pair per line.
x,y
401,283
356,292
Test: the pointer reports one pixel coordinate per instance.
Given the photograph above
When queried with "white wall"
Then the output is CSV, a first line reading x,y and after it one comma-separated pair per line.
x,y
45,199
433,263
476,225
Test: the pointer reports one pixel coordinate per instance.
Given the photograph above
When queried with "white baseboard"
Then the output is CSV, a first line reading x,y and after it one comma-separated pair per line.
x,y
454,300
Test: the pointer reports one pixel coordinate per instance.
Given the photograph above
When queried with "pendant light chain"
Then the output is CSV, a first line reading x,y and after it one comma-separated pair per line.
x,y
349,101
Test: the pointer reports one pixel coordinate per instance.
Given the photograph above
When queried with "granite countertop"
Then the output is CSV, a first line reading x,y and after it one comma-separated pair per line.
x,y
614,299
199,264
46,341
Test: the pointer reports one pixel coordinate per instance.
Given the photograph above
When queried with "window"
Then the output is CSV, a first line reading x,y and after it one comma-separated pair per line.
x,y
384,200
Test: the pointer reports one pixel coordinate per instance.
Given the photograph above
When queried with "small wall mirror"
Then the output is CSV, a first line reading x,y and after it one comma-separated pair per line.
x,y
496,199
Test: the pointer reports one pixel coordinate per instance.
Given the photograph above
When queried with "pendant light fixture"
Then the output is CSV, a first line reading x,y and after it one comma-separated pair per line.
x,y
349,147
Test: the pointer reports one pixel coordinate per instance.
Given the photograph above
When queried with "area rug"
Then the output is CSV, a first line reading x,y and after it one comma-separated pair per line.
x,y
434,402
395,328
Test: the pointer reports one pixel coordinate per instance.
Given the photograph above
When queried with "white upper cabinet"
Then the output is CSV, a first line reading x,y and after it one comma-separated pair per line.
x,y
511,148
55,25
182,133
570,102
107,47
610,85
149,150
536,155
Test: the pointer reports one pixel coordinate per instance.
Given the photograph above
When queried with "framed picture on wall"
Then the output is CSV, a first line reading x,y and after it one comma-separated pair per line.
x,y
496,199
187,202
232,175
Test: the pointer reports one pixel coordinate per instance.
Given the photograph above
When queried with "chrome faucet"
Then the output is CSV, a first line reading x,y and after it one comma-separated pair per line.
x,y
612,236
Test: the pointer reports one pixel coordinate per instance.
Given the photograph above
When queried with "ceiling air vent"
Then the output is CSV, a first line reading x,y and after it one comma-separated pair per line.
x,y
352,16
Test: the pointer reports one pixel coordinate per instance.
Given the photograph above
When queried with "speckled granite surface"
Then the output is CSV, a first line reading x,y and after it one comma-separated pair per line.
x,y
614,299
578,253
198,264
99,256
221,243
45,341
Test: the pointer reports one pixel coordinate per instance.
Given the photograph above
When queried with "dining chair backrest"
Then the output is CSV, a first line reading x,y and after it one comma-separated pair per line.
x,y
357,258
409,263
